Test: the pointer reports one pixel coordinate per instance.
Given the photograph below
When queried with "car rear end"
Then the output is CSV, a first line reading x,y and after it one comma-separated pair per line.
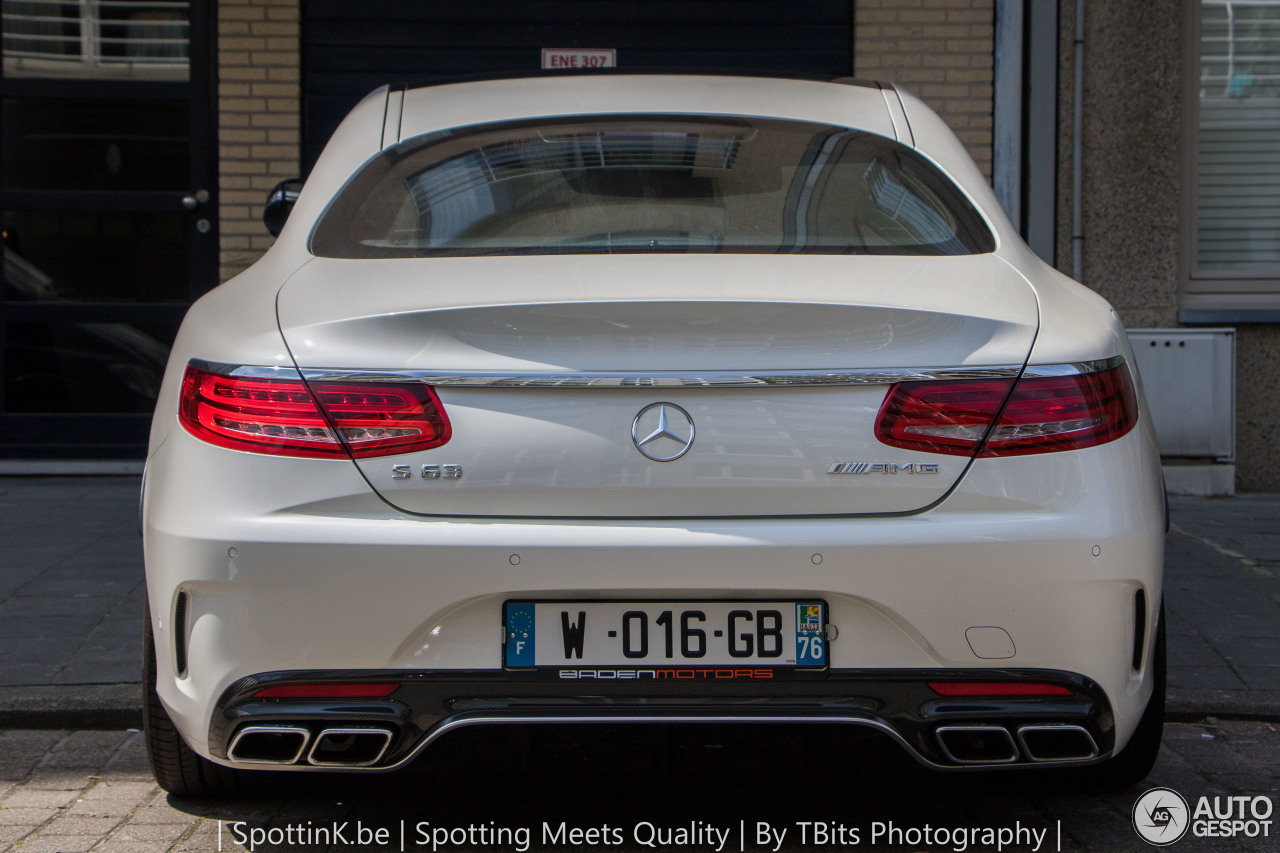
x,y
470,475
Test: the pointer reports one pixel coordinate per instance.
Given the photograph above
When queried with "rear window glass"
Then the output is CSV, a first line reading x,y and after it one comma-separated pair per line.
x,y
628,184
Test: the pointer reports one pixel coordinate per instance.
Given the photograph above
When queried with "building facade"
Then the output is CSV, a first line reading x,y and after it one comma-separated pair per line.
x,y
1132,142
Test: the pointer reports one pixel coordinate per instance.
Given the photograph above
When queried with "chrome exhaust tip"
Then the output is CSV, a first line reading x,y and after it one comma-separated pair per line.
x,y
349,747
1057,743
977,744
268,745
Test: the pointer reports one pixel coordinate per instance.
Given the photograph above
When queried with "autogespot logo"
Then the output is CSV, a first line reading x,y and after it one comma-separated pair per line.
x,y
1161,816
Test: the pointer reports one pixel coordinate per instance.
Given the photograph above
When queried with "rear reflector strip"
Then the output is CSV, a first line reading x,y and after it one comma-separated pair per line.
x,y
997,688
327,691
281,416
1139,629
180,634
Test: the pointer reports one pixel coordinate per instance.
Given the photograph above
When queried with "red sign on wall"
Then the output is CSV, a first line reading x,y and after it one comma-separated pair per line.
x,y
572,57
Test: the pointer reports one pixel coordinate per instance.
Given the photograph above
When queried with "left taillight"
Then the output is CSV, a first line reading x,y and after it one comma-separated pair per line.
x,y
289,417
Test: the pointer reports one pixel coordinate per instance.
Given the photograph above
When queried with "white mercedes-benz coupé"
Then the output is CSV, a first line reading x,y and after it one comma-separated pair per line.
x,y
654,400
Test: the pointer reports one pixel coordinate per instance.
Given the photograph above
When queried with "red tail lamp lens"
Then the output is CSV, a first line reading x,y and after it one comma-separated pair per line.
x,y
997,688
1065,413
940,417
281,417
1042,415
327,691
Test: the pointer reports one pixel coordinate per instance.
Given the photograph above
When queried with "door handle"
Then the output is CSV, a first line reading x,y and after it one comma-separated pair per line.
x,y
191,202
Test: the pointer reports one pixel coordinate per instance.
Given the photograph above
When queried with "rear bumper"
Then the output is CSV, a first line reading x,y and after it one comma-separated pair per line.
x,y
308,572
939,732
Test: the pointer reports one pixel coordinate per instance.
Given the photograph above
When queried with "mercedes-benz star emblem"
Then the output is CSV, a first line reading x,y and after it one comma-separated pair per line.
x,y
663,432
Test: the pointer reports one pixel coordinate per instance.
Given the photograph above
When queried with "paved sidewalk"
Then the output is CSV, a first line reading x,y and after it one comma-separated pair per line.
x,y
71,601
68,792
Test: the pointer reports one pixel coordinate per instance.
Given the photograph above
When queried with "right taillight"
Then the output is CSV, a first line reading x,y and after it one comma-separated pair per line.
x,y
281,416
1040,414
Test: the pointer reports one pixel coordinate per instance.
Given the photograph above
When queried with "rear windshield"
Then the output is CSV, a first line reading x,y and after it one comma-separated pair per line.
x,y
628,184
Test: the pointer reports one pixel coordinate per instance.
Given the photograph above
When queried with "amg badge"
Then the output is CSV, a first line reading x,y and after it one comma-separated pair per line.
x,y
883,468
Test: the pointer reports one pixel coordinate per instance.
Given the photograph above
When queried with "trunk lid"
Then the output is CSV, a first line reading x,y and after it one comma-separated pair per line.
x,y
551,371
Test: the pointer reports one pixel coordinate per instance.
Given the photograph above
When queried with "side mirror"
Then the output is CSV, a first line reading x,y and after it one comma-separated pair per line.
x,y
279,202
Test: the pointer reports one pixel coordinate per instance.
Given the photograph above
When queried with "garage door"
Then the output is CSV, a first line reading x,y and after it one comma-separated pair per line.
x,y
352,48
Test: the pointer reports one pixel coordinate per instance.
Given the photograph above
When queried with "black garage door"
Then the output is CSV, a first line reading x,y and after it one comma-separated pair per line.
x,y
349,49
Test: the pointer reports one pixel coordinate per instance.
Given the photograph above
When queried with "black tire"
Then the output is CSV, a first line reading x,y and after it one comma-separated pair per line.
x,y
1133,764
178,768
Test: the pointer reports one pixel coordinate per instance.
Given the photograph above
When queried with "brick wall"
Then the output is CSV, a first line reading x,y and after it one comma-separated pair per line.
x,y
259,115
940,50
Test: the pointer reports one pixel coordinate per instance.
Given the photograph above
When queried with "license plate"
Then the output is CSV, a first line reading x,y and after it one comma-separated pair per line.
x,y
646,633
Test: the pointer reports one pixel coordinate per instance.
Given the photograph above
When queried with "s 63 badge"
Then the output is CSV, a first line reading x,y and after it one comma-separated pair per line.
x,y
428,472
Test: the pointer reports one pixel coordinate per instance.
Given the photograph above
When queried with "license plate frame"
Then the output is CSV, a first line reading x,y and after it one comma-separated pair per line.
x,y
778,634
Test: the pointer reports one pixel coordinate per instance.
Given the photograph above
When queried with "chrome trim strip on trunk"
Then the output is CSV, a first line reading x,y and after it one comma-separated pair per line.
x,y
659,379
250,371
667,379
1079,368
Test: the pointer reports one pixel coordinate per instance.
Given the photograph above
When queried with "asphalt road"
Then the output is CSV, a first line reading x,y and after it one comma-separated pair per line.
x,y
66,792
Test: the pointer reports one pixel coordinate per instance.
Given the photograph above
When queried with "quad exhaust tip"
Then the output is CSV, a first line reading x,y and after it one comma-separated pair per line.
x,y
334,747
977,744
349,747
364,747
268,744
1057,743
1041,743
